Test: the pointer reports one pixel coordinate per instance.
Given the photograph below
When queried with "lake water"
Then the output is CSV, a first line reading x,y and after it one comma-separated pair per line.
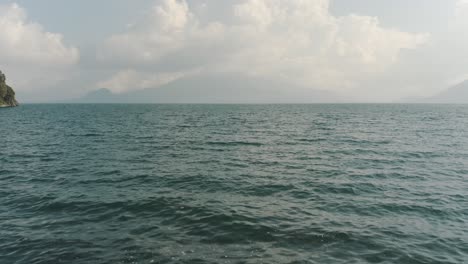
x,y
234,184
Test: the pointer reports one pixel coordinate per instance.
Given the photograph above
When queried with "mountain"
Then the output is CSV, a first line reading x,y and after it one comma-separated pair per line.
x,y
7,95
457,94
219,88
99,96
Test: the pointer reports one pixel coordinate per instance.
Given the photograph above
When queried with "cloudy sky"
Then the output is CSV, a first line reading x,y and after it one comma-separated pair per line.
x,y
372,50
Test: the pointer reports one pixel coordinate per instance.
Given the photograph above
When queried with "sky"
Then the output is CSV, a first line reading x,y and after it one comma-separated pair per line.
x,y
368,50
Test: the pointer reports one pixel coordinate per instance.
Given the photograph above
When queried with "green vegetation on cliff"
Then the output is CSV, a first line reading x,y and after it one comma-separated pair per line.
x,y
7,95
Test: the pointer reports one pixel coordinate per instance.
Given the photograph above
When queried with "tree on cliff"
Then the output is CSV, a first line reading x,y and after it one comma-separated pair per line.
x,y
7,95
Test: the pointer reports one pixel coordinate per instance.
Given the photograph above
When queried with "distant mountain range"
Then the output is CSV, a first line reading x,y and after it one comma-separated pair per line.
x,y
457,94
220,88
236,88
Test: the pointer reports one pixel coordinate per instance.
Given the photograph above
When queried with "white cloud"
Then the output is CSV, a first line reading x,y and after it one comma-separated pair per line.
x,y
296,40
461,9
128,80
27,50
162,32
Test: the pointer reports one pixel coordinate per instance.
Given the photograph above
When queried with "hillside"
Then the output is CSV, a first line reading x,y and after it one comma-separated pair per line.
x,y
455,94
7,95
220,88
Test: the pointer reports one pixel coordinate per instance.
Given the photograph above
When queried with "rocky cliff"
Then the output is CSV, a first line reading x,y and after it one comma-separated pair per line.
x,y
7,95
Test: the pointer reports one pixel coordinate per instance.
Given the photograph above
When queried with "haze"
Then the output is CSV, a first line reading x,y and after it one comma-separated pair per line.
x,y
363,50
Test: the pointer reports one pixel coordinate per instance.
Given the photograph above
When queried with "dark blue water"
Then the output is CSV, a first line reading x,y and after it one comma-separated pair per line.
x,y
234,184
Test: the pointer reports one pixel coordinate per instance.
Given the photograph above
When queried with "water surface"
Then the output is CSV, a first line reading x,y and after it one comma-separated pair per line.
x,y
234,184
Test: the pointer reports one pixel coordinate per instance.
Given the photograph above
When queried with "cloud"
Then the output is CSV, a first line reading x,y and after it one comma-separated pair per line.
x,y
27,50
461,9
295,40
162,32
127,80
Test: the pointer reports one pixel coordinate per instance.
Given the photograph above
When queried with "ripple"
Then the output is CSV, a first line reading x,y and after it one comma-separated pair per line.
x,y
234,184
